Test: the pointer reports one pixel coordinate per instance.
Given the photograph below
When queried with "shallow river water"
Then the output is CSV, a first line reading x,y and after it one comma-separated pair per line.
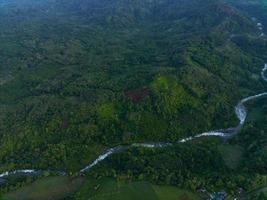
x,y
240,111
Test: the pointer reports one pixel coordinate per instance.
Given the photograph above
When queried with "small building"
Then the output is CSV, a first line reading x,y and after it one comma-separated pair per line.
x,y
218,195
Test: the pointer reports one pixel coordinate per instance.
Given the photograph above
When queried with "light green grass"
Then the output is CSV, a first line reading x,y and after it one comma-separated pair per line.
x,y
46,188
255,114
232,155
110,189
254,193
173,193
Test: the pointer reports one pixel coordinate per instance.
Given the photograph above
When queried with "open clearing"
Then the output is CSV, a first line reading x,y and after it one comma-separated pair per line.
x,y
46,188
232,155
110,189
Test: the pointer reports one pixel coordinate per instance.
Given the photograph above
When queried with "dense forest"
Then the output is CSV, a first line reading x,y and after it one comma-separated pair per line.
x,y
78,77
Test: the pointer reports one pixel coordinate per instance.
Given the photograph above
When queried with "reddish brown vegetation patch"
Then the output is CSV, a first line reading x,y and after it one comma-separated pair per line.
x,y
226,9
137,94
65,123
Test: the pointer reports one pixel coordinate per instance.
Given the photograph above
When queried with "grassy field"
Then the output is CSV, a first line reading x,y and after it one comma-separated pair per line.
x,y
232,155
110,189
57,188
255,114
46,188
255,193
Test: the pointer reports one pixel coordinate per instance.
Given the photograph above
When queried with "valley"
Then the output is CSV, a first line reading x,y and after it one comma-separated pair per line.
x,y
133,93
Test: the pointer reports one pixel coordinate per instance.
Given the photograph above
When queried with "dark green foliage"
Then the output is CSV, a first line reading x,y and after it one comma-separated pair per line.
x,y
77,77
68,76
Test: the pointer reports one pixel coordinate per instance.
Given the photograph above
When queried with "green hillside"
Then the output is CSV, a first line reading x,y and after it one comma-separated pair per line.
x,y
80,76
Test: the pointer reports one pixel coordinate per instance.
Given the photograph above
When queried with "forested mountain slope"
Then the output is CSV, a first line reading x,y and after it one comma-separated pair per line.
x,y
79,76
77,79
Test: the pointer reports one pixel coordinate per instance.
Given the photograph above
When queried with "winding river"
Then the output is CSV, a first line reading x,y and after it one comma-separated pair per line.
x,y
240,111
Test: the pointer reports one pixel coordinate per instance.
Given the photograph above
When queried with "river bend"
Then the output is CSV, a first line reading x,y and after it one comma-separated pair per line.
x,y
240,111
